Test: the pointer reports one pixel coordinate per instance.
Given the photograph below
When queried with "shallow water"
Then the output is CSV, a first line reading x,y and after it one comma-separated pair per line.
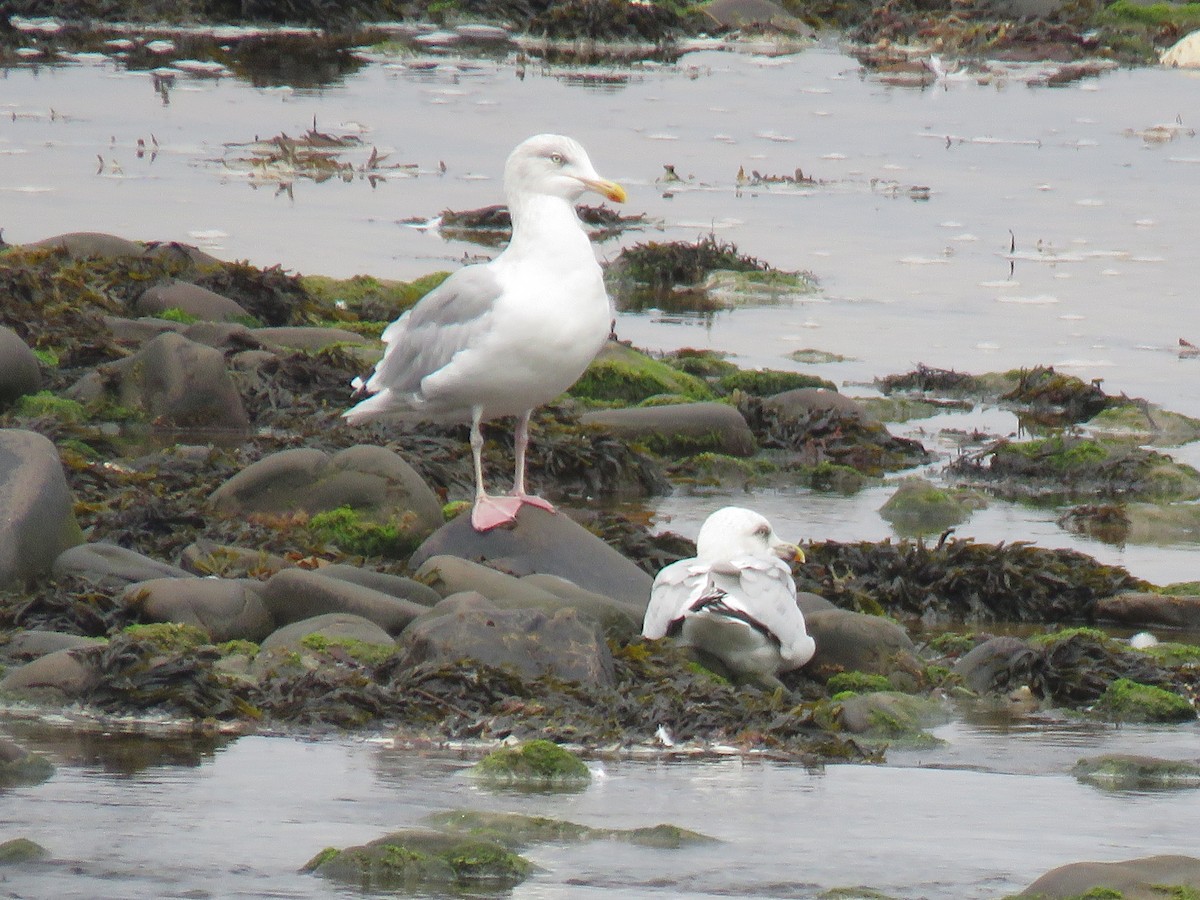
x,y
239,820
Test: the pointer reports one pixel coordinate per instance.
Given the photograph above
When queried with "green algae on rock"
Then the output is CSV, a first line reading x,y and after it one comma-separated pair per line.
x,y
621,374
920,507
537,764
1127,772
517,831
21,850
1129,701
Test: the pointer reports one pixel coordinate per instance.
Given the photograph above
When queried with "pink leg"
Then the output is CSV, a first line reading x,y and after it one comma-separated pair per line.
x,y
520,442
488,512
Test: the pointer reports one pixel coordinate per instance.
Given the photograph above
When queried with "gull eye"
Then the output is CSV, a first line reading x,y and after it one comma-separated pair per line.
x,y
557,159
762,531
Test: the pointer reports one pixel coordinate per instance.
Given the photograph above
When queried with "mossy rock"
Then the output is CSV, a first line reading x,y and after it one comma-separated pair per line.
x,y
899,409
19,767
620,373
1127,772
373,299
359,651
515,831
1063,635
536,764
732,289
891,716
920,507
857,683
1144,423
832,477
352,532
169,637
422,861
768,382
1173,655
719,470
21,850
701,363
48,404
1129,701
811,356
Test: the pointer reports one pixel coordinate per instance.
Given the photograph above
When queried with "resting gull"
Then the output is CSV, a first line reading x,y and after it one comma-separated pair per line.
x,y
736,600
500,338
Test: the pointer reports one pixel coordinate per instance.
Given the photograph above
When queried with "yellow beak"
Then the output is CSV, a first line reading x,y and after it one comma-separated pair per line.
x,y
609,189
789,553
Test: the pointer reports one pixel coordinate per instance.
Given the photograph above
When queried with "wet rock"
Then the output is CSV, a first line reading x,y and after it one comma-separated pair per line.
x,y
890,715
1127,772
517,831
306,337
226,608
19,372
19,766
810,603
295,594
1128,701
206,558
34,643
998,666
37,521
110,565
803,402
396,585
853,642
191,300
547,543
223,336
920,507
333,627
748,13
1184,53
1145,610
621,374
1134,879
138,331
84,244
681,429
21,850
1145,423
55,677
530,642
453,575
372,480
534,764
424,862
174,381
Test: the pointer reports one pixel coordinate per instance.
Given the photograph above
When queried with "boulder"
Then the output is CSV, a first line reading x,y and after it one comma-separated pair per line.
x,y
190,299
999,665
37,519
396,585
86,244
295,337
1130,772
853,642
1144,610
890,715
1184,53
206,558
19,372
333,626
681,429
1135,879
29,645
226,608
135,332
223,336
452,575
547,543
19,766
374,481
174,381
64,674
111,565
801,402
531,642
295,594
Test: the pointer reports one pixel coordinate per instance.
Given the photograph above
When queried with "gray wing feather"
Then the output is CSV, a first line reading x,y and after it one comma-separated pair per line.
x,y
764,588
670,595
443,323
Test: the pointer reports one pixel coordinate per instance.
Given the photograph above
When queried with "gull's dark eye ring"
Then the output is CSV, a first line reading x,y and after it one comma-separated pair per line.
x,y
557,159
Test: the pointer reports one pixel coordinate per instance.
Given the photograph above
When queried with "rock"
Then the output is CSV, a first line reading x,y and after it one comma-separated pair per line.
x,y
810,603
227,609
746,13
517,831
224,336
620,373
1135,879
1144,610
890,715
174,381
547,543
372,480
84,244
428,863
19,372
21,850
1129,701
306,337
681,429
802,402
452,575
190,299
396,585
295,594
135,332
853,642
37,519
18,767
27,645
998,666
536,764
919,507
63,674
1127,772
333,627
531,642
206,558
1184,53
110,565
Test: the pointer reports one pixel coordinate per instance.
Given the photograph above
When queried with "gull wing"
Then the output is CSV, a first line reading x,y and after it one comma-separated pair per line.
x,y
763,588
674,588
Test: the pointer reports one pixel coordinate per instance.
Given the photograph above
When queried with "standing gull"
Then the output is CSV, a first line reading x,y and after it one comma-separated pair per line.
x,y
500,338
736,600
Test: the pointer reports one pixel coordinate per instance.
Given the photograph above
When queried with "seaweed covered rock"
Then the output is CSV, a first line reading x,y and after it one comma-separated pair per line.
x,y
19,372
531,642
373,482
1143,610
1133,879
331,628
680,429
172,381
19,766
226,608
891,716
546,543
38,521
534,764
999,665
58,676
1129,701
918,507
854,642
112,565
622,374
422,862
1127,772
294,594
190,300
517,831
21,850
